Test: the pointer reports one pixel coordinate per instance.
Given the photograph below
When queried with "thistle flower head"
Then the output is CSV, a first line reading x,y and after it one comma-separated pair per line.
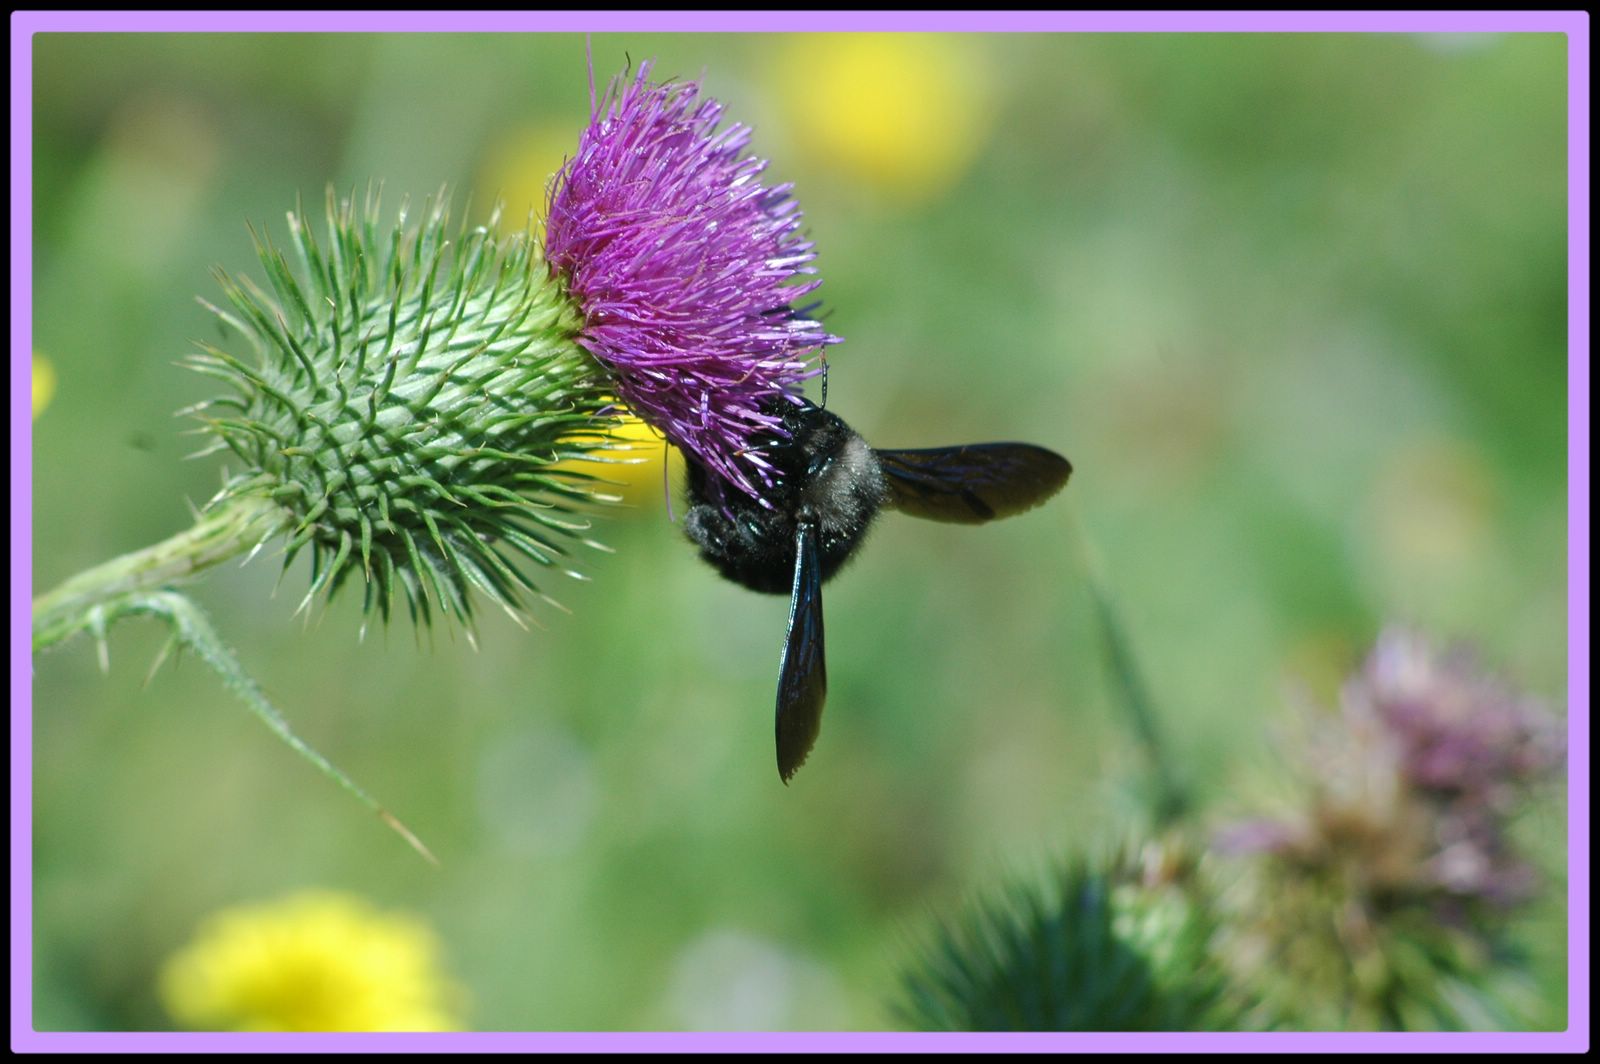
x,y
1387,886
687,270
408,395
414,390
1417,775
1460,731
1465,745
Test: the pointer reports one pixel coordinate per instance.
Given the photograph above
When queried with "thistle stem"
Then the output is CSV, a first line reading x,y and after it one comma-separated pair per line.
x,y
138,583
228,531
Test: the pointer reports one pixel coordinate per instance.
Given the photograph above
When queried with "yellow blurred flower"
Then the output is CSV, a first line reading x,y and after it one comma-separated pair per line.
x,y
903,112
517,168
314,961
44,383
633,471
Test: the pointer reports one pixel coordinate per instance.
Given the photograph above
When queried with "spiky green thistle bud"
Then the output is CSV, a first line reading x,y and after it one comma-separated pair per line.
x,y
410,390
407,396
1122,942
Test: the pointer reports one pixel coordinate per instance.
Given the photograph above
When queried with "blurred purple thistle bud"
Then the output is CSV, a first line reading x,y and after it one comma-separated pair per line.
x,y
1460,730
1402,846
1417,775
1467,745
1257,835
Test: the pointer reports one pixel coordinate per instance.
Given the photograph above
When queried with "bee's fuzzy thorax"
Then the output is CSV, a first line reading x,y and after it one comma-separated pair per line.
x,y
848,493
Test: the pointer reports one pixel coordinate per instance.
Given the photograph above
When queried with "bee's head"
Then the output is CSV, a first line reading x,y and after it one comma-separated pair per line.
x,y
806,440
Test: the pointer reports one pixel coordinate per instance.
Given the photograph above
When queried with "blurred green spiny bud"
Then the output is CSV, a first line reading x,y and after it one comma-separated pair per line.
x,y
409,392
1123,944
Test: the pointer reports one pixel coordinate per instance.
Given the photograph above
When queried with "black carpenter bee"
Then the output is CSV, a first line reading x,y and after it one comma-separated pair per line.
x,y
828,486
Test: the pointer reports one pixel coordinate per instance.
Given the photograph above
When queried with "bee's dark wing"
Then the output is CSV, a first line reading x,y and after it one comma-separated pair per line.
x,y
803,676
972,484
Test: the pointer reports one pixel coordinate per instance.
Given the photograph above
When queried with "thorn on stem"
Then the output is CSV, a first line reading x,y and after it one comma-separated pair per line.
x,y
406,833
161,657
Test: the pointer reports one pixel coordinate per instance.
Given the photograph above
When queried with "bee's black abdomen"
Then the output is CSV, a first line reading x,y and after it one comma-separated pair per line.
x,y
749,548
825,475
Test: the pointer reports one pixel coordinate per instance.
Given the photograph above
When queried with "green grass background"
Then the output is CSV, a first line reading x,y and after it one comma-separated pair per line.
x,y
1295,306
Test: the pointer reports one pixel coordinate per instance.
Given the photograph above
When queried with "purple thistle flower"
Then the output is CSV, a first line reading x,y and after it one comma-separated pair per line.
x,y
1414,782
1468,744
685,268
1382,898
1257,835
1460,731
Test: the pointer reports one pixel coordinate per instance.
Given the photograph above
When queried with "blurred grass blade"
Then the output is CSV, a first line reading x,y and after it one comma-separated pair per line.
x,y
1169,795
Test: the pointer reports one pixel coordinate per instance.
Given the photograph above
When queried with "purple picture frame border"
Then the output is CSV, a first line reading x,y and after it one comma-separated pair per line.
x,y
1573,24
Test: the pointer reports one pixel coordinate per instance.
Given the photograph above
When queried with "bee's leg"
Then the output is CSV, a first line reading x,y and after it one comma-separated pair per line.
x,y
709,528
